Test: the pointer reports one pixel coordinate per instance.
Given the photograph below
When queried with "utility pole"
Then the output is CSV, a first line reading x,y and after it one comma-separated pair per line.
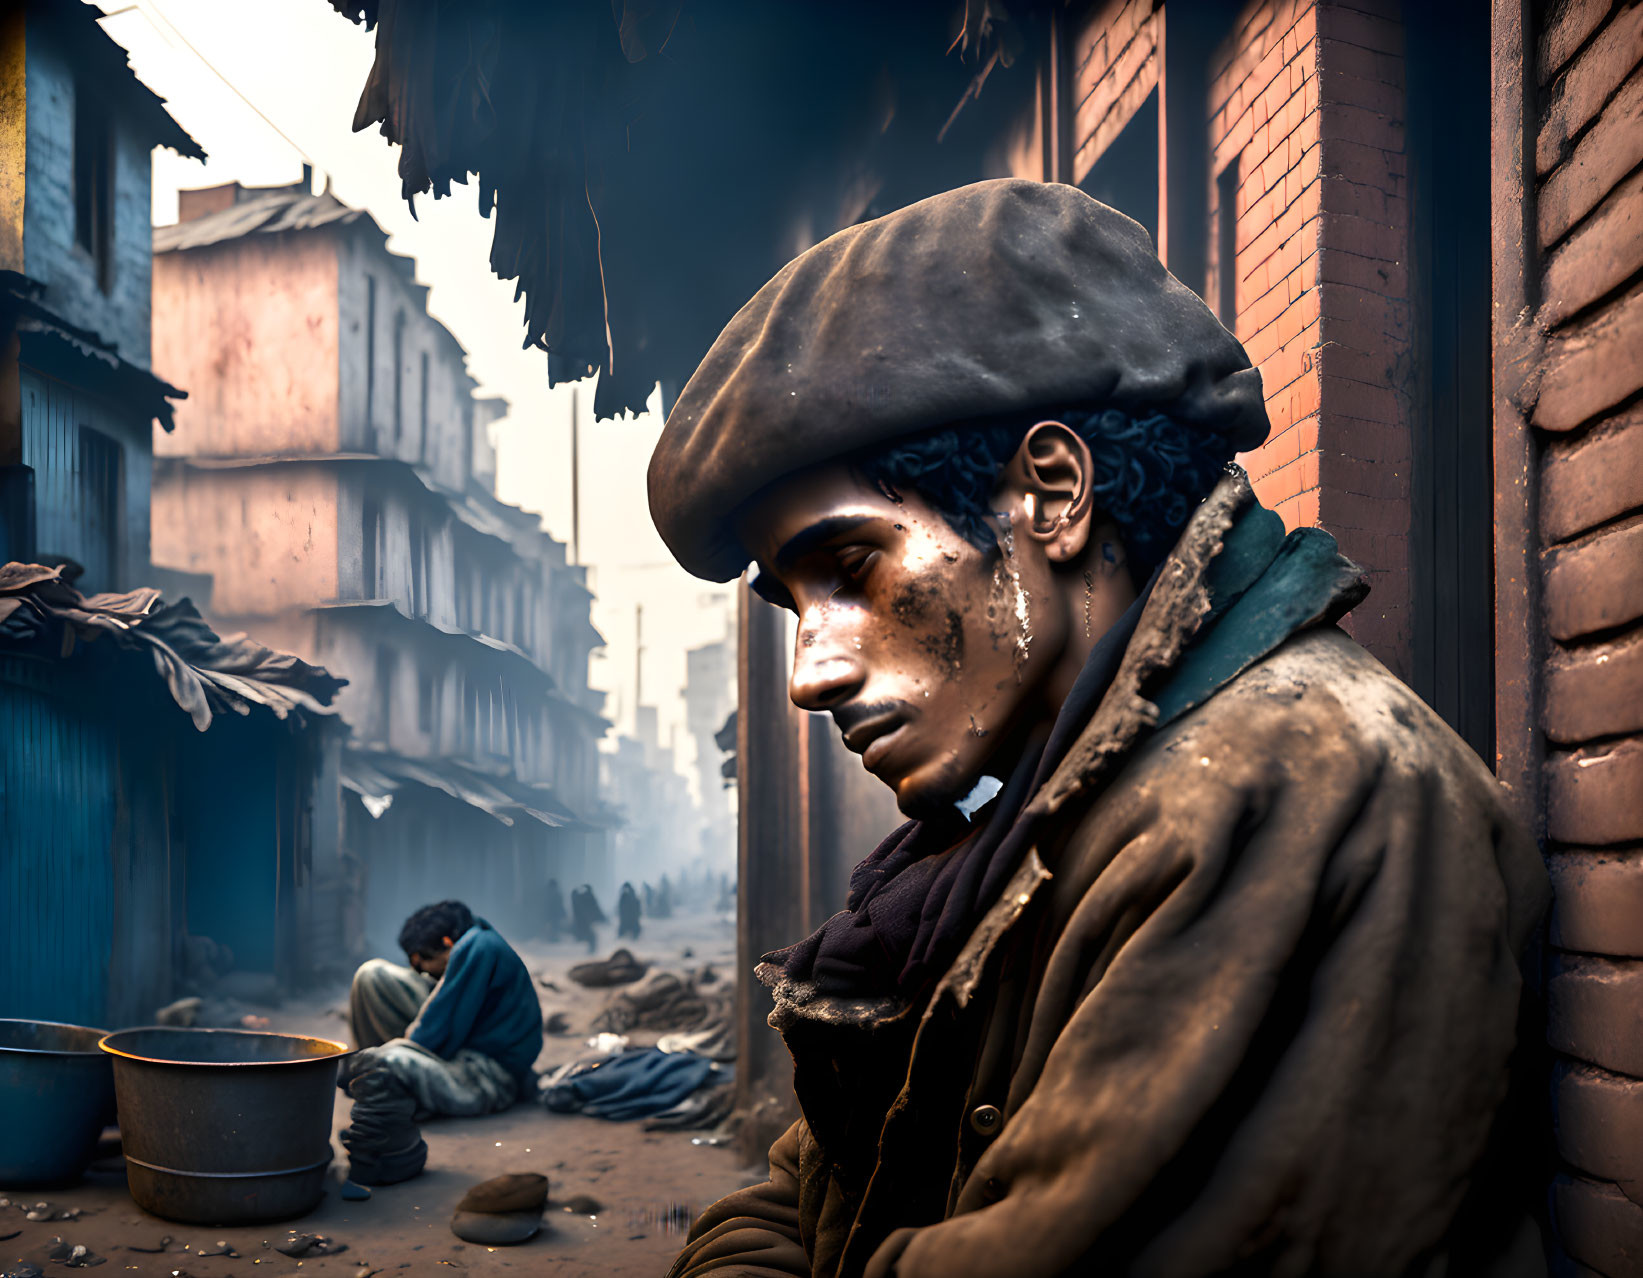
x,y
575,481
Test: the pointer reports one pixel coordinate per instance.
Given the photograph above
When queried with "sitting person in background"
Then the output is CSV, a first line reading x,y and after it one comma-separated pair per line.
x,y
455,1033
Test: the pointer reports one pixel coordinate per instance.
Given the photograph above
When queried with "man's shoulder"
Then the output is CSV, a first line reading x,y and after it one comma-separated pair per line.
x,y
1319,704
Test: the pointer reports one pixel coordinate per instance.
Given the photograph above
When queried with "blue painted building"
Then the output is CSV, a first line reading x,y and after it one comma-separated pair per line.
x,y
140,827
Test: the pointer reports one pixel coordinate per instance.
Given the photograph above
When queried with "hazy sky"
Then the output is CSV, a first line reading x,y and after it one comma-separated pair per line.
x,y
302,66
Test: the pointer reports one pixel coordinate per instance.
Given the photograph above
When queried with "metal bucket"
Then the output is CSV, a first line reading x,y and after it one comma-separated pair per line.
x,y
225,1127
56,1096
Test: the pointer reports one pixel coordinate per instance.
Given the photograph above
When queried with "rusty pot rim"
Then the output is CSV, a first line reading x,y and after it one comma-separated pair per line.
x,y
341,1049
53,1051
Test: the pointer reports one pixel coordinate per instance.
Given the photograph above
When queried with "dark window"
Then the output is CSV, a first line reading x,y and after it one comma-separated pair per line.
x,y
1125,176
1451,551
427,691
1226,244
94,184
387,666
419,569
399,374
467,440
98,479
370,535
370,357
422,412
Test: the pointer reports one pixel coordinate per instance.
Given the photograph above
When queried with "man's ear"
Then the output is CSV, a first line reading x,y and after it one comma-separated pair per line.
x,y
1049,477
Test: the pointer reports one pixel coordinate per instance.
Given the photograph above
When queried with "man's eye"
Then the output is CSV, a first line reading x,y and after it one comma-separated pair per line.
x,y
856,562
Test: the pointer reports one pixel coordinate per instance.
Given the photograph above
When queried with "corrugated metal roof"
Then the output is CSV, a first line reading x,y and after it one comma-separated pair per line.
x,y
281,210
105,64
378,774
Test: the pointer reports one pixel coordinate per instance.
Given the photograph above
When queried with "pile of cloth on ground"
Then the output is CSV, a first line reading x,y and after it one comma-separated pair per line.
x,y
674,1090
621,968
665,1002
685,1081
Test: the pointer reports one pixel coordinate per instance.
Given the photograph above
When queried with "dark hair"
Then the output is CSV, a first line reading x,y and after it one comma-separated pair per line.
x,y
424,930
1150,473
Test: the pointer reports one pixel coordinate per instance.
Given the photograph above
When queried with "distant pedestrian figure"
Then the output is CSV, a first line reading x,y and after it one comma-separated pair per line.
x,y
627,912
585,915
555,919
650,901
664,900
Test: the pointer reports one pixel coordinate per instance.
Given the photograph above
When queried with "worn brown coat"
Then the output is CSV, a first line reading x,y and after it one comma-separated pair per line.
x,y
1250,1005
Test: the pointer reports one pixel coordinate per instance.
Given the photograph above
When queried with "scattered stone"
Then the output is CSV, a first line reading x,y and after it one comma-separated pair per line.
x,y
51,1211
219,1248
162,1244
502,1211
304,1245
74,1255
496,1228
582,1205
516,1191
23,1271
687,952
557,1024
354,1192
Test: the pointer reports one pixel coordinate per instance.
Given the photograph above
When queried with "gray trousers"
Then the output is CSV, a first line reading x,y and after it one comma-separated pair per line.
x,y
384,1000
383,1005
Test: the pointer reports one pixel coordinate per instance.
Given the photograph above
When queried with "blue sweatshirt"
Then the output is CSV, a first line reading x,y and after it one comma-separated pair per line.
x,y
485,1001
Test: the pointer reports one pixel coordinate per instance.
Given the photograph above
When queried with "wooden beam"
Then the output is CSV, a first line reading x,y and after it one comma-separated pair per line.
x,y
1518,353
772,871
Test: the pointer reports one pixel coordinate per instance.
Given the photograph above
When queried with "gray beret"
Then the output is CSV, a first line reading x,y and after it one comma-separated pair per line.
x,y
999,298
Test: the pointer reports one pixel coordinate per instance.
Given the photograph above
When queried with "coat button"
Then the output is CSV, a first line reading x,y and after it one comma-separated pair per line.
x,y
985,1119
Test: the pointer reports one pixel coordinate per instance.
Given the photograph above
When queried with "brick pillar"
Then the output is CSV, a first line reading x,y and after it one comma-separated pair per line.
x,y
1306,142
1575,379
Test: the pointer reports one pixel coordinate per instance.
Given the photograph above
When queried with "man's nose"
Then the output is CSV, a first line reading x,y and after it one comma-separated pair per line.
x,y
824,674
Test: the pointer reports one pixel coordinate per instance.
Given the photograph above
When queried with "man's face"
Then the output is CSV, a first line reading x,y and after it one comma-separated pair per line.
x,y
929,653
434,962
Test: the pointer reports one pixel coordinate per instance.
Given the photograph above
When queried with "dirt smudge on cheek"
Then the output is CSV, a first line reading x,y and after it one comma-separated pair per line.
x,y
913,601
947,644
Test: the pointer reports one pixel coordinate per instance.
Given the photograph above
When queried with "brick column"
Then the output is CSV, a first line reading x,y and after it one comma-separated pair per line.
x,y
1578,383
1306,140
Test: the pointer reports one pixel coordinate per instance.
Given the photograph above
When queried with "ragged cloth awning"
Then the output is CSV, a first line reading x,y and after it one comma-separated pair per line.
x,y
647,166
204,673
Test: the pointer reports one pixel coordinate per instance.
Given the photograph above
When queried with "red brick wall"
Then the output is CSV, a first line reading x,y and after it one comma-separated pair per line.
x,y
1307,99
1114,64
1588,424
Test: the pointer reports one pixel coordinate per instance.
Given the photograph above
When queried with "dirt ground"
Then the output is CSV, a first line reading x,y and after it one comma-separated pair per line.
x,y
649,1184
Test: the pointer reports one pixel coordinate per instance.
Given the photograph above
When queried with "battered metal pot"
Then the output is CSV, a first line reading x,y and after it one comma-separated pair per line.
x,y
56,1096
225,1126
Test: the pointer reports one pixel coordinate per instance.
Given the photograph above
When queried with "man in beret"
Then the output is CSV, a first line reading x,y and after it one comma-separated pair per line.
x,y
1200,950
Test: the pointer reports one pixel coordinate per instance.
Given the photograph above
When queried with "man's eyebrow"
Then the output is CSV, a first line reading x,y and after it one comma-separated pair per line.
x,y
823,530
771,591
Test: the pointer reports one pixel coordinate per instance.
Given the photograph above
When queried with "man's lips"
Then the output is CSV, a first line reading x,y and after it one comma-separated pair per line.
x,y
871,739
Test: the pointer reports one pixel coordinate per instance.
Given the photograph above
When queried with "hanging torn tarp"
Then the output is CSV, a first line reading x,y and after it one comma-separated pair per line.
x,y
377,775
205,674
